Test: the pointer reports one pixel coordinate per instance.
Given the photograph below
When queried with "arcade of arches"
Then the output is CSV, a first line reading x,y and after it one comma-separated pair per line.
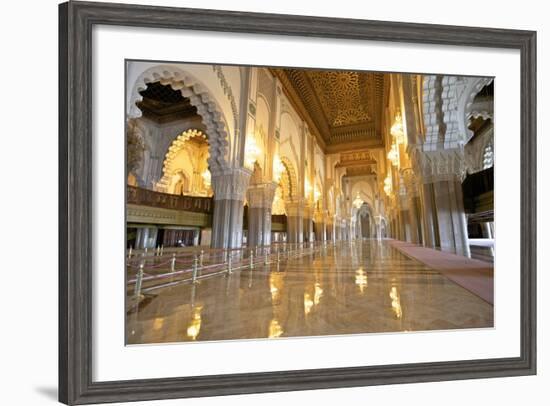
x,y
229,158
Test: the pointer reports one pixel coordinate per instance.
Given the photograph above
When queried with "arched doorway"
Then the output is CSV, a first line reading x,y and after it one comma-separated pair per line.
x,y
199,96
185,167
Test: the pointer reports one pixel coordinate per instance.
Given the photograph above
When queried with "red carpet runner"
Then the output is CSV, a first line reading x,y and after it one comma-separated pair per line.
x,y
472,274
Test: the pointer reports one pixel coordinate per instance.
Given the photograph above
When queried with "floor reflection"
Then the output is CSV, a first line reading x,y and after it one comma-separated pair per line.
x,y
363,287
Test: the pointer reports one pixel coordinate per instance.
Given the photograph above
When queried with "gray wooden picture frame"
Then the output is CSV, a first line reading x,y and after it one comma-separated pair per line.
x,y
76,20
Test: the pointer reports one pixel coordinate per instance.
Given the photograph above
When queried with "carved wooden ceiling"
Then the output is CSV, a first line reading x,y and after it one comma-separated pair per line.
x,y
163,104
346,107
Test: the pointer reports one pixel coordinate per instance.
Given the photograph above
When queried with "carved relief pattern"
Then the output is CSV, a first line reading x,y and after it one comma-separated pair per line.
x,y
228,92
135,147
289,181
410,182
440,165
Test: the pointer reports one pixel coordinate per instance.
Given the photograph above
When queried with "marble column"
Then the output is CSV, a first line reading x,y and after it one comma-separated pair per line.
x,y
329,230
414,221
295,222
144,238
337,229
409,197
451,218
229,193
428,220
320,232
309,234
137,243
260,200
404,222
153,232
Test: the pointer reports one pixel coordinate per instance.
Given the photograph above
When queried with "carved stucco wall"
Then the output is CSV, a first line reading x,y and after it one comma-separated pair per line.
x,y
261,133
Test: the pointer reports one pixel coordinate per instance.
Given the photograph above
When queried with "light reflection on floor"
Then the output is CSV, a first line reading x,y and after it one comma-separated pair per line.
x,y
363,287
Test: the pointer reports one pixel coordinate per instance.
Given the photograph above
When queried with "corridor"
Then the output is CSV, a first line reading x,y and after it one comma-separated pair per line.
x,y
352,287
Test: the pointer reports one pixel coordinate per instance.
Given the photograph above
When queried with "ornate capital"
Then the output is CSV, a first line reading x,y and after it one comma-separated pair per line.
x,y
442,165
231,185
411,182
261,195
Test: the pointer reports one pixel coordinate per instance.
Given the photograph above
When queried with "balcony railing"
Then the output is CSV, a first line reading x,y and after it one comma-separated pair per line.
x,y
145,197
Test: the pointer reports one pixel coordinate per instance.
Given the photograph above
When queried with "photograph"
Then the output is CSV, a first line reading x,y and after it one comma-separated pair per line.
x,y
275,202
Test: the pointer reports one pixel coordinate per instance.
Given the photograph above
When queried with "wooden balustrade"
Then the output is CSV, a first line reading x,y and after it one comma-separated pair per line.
x,y
145,197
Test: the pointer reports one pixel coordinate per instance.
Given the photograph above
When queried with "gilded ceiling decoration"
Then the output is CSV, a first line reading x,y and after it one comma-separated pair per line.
x,y
344,106
343,96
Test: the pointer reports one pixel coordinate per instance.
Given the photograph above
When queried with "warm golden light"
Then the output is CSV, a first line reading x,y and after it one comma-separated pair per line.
x,y
307,187
207,178
358,202
393,155
316,194
278,206
195,326
388,185
308,303
361,279
318,294
252,152
275,329
278,168
275,283
158,323
397,129
396,302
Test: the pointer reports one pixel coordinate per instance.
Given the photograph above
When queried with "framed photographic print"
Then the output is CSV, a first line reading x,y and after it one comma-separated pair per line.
x,y
257,202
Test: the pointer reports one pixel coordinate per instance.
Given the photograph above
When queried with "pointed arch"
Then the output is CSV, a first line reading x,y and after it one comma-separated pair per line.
x,y
289,180
170,169
200,97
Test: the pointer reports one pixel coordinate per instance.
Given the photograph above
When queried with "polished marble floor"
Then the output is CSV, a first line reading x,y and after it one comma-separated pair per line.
x,y
360,287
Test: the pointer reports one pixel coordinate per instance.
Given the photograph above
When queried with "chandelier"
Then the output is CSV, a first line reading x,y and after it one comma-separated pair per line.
x,y
388,185
251,152
307,187
316,194
393,154
278,168
397,129
358,202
